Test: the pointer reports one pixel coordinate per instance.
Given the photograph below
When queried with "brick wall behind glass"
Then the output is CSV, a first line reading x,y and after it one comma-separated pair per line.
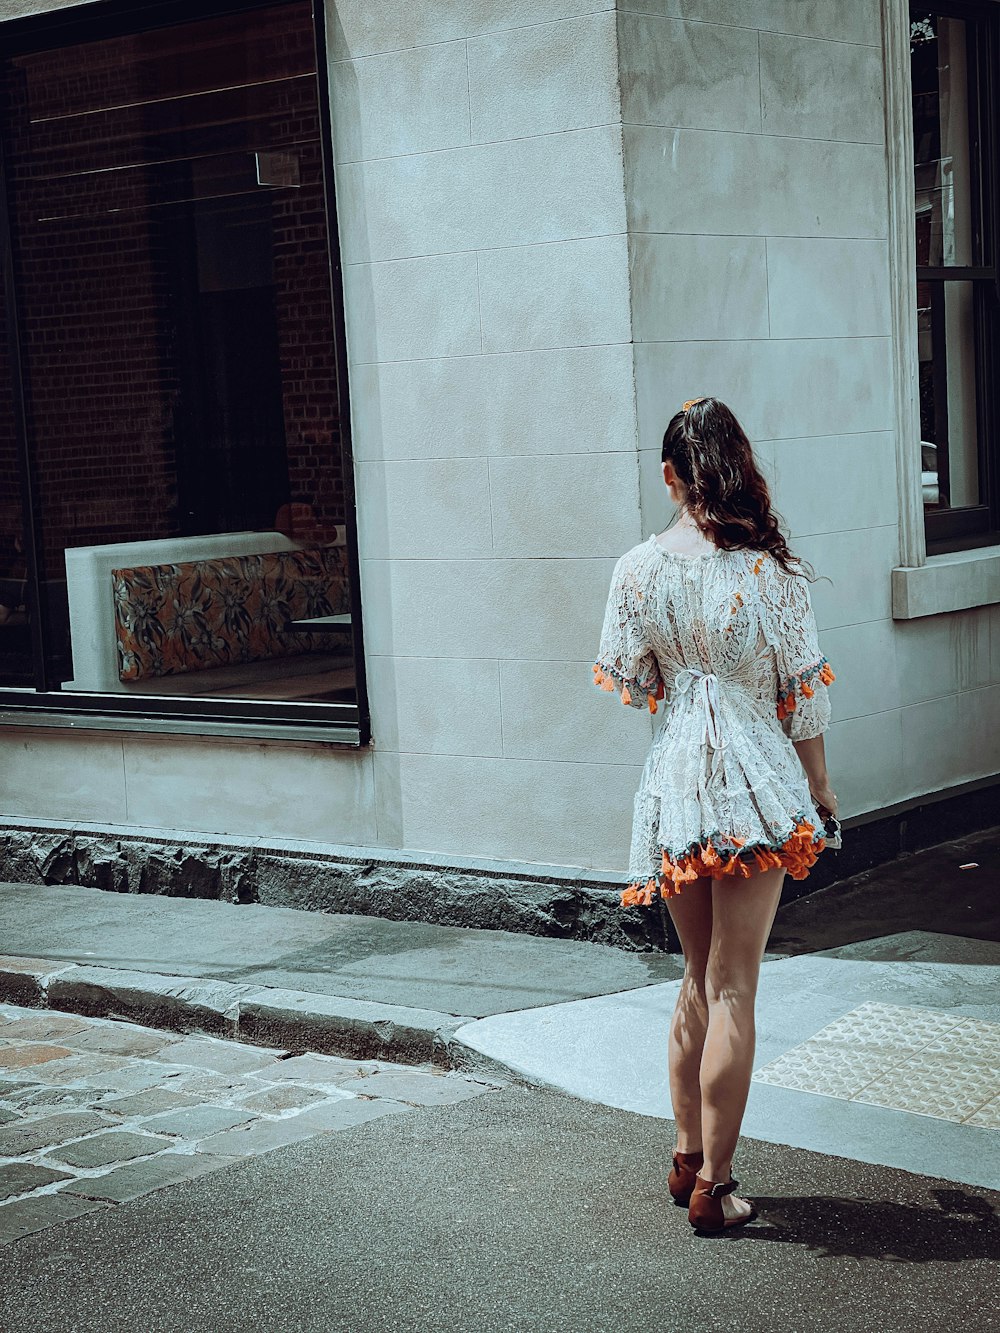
x,y
305,319
99,332
10,497
96,336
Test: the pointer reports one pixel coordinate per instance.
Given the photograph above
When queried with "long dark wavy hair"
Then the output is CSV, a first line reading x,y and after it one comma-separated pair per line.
x,y
728,498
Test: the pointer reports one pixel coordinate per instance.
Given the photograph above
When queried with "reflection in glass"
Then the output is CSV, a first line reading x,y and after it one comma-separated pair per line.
x,y
949,235
16,669
944,196
173,278
948,417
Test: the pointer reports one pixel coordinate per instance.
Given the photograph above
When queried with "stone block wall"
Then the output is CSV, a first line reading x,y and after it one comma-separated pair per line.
x,y
756,189
483,222
559,219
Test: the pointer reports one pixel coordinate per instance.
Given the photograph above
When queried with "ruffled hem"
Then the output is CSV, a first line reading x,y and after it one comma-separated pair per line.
x,y
605,677
797,854
820,670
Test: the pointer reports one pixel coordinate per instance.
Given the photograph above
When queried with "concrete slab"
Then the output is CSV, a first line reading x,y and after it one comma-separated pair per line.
x,y
921,946
196,1122
23,1177
43,1027
612,1050
264,1135
106,1149
151,1102
20,1057
928,891
24,1137
25,1216
448,969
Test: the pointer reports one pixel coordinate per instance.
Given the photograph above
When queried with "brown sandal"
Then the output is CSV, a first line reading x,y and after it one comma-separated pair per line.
x,y
681,1180
706,1213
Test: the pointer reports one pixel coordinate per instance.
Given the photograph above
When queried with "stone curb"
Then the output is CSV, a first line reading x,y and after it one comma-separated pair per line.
x,y
552,901
296,1021
560,902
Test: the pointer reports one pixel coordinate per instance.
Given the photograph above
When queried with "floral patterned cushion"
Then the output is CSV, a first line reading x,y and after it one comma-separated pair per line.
x,y
224,611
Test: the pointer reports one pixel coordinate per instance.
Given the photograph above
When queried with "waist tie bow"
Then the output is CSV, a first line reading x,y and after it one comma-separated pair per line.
x,y
704,687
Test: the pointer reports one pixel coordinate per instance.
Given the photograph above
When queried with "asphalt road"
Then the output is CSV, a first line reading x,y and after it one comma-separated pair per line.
x,y
518,1210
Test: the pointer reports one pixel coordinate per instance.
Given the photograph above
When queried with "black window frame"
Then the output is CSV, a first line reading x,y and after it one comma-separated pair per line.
x,y
977,525
337,723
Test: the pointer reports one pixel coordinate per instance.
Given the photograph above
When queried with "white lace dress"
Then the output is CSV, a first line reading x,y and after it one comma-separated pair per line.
x,y
728,639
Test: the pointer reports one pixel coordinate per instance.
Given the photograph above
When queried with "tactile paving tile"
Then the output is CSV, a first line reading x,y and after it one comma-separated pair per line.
x,y
948,1087
888,1028
832,1072
925,1061
988,1116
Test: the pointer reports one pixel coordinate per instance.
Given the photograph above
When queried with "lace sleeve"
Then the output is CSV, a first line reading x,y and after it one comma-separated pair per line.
x,y
803,703
625,661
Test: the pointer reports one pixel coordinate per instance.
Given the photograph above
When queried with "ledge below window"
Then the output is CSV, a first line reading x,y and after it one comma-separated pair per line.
x,y
340,724
952,582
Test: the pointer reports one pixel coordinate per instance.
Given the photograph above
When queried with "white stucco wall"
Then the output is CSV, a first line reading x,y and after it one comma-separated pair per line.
x,y
559,220
482,211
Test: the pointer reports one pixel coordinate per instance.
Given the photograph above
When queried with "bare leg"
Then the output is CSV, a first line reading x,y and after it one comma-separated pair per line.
x,y
742,915
691,913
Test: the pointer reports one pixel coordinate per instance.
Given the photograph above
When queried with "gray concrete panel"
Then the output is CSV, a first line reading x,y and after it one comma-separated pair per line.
x,y
612,1050
442,968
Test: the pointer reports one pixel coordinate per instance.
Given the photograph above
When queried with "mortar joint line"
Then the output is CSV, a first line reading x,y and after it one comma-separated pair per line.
x,y
468,85
760,86
479,299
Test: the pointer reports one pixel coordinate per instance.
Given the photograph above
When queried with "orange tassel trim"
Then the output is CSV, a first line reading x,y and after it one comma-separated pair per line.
x,y
606,681
786,698
797,854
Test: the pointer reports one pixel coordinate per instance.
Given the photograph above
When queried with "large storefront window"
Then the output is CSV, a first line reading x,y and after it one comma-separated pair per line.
x,y
954,72
177,508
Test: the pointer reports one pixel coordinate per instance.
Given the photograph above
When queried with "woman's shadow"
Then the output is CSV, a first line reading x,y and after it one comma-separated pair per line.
x,y
961,1226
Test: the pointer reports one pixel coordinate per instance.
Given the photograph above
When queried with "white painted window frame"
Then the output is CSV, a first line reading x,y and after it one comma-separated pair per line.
x,y
922,585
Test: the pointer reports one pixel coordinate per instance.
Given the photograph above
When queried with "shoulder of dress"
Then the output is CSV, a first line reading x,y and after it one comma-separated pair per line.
x,y
637,555
770,564
784,588
755,562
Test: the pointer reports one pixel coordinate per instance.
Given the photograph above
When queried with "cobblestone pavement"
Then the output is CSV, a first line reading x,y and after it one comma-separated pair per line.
x,y
94,1113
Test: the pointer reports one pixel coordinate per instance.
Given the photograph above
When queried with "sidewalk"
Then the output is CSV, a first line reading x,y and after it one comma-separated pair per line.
x,y
879,1041
360,986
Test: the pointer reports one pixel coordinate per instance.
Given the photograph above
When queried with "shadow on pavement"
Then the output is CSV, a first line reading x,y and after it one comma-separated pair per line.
x,y
924,891
962,1227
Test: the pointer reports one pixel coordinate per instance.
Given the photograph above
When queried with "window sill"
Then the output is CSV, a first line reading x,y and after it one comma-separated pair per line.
x,y
952,582
329,734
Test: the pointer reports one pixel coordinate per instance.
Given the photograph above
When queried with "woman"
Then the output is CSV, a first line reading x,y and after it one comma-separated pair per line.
x,y
715,616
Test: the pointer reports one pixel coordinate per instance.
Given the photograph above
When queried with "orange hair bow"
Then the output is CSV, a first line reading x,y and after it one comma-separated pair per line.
x,y
691,402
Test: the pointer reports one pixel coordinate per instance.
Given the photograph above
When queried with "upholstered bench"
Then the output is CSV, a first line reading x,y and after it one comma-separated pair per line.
x,y
224,611
116,593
